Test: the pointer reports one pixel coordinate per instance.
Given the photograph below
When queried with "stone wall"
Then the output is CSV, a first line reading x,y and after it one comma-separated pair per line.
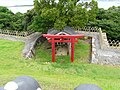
x,y
94,51
107,54
30,42
13,38
105,43
101,52
109,57
16,33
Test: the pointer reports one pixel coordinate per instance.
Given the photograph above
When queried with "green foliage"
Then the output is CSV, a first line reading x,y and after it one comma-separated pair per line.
x,y
59,24
10,21
61,14
109,21
5,18
28,19
5,10
61,75
93,10
17,22
48,14
79,17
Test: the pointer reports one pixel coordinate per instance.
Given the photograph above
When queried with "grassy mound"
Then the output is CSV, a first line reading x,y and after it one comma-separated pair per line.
x,y
82,53
61,75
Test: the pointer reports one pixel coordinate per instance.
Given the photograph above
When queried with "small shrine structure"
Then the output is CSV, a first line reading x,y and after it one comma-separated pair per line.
x,y
63,41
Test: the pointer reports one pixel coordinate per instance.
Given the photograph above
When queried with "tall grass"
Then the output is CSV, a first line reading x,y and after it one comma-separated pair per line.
x,y
61,75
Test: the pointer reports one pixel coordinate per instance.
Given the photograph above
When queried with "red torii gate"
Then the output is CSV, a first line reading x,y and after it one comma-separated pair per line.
x,y
63,38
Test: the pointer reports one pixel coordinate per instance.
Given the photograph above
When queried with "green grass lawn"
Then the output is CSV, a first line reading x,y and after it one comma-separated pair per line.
x,y
61,75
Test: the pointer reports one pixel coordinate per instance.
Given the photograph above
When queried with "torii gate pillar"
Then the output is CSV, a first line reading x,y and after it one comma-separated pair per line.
x,y
72,50
53,50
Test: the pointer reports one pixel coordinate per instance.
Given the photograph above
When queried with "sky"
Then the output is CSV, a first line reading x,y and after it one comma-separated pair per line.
x,y
101,4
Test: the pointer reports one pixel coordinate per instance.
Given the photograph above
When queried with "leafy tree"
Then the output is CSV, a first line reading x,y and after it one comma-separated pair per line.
x,y
17,22
58,15
5,18
93,6
45,15
5,10
9,20
109,21
28,19
79,17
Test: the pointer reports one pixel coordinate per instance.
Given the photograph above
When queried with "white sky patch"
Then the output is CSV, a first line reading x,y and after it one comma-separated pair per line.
x,y
17,2
107,4
101,4
20,9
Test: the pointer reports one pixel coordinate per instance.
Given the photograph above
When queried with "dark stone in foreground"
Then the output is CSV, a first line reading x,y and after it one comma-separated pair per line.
x,y
88,87
27,83
22,83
